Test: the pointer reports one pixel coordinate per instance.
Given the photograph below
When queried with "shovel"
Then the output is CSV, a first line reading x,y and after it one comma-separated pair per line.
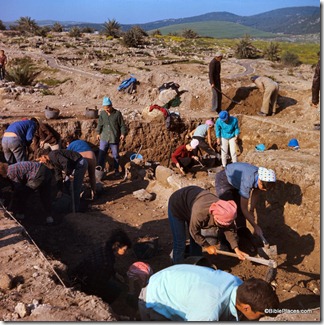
x,y
267,251
233,101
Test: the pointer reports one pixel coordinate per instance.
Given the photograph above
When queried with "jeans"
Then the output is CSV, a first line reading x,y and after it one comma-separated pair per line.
x,y
79,172
103,149
13,149
178,229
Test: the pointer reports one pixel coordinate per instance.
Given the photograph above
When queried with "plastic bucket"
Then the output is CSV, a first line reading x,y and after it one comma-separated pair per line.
x,y
99,173
136,156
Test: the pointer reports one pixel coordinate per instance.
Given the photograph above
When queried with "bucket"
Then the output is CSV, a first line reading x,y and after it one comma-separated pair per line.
x,y
51,113
136,156
99,173
91,112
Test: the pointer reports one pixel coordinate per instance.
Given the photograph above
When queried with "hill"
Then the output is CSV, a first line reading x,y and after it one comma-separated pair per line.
x,y
294,20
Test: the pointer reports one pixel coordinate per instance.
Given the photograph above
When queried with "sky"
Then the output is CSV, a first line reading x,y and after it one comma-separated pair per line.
x,y
135,11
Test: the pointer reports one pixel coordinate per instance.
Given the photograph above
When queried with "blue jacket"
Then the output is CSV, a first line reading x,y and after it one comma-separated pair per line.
x,y
25,130
227,130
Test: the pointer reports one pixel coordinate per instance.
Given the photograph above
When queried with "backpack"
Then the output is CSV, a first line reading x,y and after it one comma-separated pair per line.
x,y
126,83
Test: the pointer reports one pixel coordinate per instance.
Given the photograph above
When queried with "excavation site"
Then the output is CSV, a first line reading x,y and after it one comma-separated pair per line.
x,y
40,278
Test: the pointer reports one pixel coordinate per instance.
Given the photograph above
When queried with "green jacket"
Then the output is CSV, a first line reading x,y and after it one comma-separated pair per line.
x,y
110,127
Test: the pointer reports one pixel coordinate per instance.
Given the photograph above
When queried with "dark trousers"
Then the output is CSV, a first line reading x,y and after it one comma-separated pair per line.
x,y
204,146
42,183
216,100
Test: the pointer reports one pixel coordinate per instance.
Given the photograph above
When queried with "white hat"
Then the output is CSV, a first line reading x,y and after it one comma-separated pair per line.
x,y
194,143
266,175
219,54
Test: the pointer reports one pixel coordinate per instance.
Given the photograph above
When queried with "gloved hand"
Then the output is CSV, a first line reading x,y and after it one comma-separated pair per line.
x,y
211,250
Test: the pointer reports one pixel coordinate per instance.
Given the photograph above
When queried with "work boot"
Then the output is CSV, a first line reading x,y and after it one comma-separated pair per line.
x,y
262,114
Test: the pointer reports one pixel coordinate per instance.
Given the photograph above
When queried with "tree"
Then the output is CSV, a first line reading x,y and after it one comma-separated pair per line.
x,y
112,28
57,27
156,33
87,29
272,52
134,36
27,25
2,26
189,33
245,49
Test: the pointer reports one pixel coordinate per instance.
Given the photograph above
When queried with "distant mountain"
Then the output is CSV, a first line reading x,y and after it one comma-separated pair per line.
x,y
287,21
294,20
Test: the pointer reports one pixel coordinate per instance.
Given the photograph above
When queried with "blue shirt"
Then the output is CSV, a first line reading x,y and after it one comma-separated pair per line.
x,y
201,130
25,130
79,146
193,293
243,177
227,130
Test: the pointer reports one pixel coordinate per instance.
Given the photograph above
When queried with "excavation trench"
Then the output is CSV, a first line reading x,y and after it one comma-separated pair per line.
x,y
289,215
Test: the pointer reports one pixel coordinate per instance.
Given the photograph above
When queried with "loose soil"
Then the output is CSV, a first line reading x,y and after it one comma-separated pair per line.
x,y
35,257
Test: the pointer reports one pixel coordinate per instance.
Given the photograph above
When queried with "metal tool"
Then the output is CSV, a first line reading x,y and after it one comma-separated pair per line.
x,y
271,274
138,151
72,195
233,101
267,251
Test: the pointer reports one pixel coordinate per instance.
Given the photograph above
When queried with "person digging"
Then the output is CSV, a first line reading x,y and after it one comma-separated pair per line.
x,y
198,209
183,157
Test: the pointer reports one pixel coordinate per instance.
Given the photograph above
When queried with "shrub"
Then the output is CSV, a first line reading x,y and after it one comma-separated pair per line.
x,y
75,32
271,52
22,71
245,49
290,59
134,37
189,33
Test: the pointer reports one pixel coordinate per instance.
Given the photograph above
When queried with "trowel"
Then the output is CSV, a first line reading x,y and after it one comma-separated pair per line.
x,y
267,251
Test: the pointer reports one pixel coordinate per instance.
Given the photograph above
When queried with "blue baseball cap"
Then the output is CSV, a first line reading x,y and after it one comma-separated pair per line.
x,y
223,115
293,143
106,101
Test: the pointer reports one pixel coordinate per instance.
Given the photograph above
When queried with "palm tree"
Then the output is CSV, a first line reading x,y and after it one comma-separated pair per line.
x,y
27,25
112,28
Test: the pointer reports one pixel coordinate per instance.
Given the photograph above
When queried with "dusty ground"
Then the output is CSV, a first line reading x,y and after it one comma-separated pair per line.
x,y
290,216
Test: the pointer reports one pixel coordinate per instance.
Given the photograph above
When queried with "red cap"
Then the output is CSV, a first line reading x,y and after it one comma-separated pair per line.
x,y
224,212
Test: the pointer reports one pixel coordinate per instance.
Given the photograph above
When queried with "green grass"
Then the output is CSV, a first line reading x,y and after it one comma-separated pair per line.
x,y
52,82
216,29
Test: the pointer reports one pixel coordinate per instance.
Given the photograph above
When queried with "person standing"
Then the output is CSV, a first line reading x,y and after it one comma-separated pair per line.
x,y
241,182
183,157
33,175
83,148
195,208
16,138
316,85
227,131
215,82
197,293
111,130
72,164
270,90
3,62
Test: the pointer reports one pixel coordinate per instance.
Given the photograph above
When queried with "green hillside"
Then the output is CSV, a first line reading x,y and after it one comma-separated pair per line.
x,y
216,29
